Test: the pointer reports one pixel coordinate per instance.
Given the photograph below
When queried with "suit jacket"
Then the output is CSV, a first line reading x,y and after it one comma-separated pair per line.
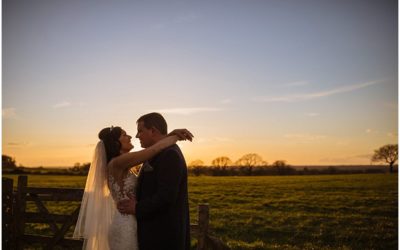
x,y
162,210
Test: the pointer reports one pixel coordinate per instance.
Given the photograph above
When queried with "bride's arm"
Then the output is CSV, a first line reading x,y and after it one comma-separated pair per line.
x,y
131,159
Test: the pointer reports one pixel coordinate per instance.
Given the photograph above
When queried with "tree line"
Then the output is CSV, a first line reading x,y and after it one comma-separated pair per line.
x,y
253,165
250,164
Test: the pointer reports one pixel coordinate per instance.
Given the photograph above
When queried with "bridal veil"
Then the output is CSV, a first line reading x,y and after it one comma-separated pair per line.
x,y
97,207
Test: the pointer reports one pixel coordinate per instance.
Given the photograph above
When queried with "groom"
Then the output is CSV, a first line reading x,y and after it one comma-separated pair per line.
x,y
161,206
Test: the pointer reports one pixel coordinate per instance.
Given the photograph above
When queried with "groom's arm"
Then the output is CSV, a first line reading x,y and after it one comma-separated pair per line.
x,y
170,174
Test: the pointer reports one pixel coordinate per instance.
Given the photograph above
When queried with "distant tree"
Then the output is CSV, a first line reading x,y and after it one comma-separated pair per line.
x,y
76,167
81,168
279,163
8,162
388,154
281,167
249,161
196,163
85,167
196,167
222,161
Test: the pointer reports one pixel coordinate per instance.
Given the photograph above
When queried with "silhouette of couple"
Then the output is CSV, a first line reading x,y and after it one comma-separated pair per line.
x,y
149,211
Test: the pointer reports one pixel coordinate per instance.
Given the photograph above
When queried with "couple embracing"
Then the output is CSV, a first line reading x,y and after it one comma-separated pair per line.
x,y
149,211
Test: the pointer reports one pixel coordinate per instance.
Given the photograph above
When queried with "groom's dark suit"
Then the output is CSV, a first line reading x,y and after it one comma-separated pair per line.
x,y
162,210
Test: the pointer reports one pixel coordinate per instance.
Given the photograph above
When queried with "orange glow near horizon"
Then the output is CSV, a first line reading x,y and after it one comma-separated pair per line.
x,y
295,154
308,82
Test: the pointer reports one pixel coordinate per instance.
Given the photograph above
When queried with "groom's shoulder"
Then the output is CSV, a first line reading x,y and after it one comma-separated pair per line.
x,y
172,149
172,155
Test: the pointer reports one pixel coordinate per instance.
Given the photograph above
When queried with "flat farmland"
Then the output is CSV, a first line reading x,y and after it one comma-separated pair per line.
x,y
282,212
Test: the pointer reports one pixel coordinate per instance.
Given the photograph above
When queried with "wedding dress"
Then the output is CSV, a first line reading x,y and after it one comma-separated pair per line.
x,y
99,223
123,229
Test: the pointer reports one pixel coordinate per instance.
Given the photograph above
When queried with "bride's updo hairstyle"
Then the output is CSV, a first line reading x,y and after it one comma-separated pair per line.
x,y
110,137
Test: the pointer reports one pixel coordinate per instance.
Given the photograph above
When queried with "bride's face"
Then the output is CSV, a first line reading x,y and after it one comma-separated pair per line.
x,y
125,141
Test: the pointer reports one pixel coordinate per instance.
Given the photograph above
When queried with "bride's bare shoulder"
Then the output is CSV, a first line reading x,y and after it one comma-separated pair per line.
x,y
112,165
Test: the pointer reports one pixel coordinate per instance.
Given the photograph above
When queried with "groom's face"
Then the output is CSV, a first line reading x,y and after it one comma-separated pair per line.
x,y
145,135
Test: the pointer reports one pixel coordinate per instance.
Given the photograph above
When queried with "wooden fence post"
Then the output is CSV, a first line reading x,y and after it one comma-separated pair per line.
x,y
203,227
20,210
8,234
20,217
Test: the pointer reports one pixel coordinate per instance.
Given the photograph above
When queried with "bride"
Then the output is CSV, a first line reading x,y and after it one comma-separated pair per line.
x,y
110,180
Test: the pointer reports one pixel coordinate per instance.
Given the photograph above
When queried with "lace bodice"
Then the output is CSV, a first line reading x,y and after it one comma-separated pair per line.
x,y
128,186
123,230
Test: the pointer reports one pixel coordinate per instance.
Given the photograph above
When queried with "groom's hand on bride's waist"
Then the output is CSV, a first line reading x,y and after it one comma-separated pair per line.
x,y
127,206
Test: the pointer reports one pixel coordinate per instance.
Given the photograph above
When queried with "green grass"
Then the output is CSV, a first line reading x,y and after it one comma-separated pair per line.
x,y
289,212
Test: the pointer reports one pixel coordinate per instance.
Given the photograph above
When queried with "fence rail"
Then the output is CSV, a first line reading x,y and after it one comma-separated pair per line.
x,y
15,218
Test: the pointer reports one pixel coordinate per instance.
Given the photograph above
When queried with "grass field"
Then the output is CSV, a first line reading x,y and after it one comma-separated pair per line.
x,y
288,212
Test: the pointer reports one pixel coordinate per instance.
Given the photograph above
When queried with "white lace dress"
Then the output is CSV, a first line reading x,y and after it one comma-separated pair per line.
x,y
123,230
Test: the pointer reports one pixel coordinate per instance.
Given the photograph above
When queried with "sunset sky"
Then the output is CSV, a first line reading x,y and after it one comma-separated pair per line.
x,y
306,81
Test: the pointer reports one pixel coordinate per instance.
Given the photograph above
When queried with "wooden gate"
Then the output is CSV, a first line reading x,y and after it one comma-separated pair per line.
x,y
8,224
16,217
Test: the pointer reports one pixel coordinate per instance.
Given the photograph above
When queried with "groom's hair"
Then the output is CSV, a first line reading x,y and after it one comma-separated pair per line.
x,y
155,120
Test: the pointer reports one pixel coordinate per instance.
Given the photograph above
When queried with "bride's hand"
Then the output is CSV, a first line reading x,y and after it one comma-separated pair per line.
x,y
182,133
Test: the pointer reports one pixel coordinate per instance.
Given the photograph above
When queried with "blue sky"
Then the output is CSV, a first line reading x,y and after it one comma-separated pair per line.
x,y
311,82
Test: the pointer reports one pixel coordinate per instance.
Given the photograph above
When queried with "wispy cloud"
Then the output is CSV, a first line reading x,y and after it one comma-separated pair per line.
x,y
380,133
305,138
62,105
226,101
309,96
312,114
9,113
296,84
187,111
18,144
